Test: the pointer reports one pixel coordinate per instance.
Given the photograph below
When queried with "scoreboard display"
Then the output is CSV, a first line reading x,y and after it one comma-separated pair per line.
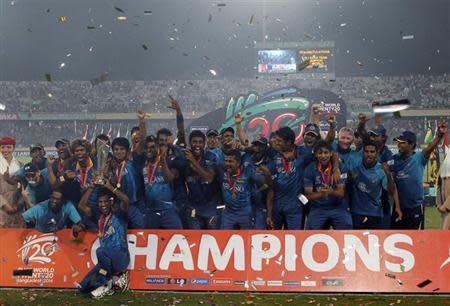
x,y
306,58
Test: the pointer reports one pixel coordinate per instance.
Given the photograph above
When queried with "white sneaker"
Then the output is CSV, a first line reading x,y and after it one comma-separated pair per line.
x,y
122,281
102,291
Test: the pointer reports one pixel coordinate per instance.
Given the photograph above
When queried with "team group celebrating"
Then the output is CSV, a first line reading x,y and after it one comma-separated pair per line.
x,y
346,179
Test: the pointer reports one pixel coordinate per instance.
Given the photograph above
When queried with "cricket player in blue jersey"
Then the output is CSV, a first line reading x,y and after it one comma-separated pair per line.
x,y
369,179
158,174
121,173
110,274
324,183
236,184
54,214
203,191
408,167
287,174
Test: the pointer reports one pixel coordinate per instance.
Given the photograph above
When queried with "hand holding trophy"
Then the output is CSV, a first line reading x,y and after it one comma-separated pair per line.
x,y
102,157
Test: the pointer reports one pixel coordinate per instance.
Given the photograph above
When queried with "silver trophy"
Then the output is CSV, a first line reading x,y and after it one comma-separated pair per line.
x,y
102,157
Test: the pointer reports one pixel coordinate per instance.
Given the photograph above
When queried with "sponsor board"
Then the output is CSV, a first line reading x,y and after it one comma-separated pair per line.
x,y
329,261
308,283
199,281
332,282
222,281
273,283
155,280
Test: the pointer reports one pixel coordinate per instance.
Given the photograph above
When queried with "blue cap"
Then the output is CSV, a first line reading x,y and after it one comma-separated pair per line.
x,y
378,130
406,136
260,140
313,129
30,168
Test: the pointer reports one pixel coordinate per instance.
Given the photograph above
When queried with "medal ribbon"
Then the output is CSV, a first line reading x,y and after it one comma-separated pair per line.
x,y
286,166
326,180
102,224
120,173
84,176
151,174
233,184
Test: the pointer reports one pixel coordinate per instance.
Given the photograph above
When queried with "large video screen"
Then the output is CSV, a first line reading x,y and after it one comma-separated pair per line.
x,y
277,61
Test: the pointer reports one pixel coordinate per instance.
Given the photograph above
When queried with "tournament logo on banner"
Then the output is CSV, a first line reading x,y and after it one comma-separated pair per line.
x,y
316,261
268,112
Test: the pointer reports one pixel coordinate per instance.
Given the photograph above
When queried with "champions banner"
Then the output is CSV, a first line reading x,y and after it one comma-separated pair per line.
x,y
314,261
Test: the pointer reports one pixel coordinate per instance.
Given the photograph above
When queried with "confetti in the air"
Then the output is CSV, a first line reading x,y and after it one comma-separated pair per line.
x,y
121,18
213,72
406,37
144,47
118,9
343,24
62,65
2,106
148,12
63,18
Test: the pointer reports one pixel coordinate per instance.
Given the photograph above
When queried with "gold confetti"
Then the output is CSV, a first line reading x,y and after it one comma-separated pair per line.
x,y
63,18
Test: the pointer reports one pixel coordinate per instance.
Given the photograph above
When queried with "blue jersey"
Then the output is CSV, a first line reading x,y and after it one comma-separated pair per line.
x,y
385,155
350,158
201,193
127,180
218,152
408,174
48,221
307,154
70,188
367,186
313,179
159,194
114,234
237,189
287,186
41,192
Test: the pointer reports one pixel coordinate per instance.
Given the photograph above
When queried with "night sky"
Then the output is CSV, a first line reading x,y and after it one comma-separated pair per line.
x,y
182,39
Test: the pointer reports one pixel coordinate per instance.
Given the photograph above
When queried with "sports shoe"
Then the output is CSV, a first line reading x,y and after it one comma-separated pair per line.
x,y
102,291
121,282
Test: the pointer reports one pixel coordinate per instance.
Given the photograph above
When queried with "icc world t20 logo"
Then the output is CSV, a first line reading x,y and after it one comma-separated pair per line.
x,y
266,113
38,248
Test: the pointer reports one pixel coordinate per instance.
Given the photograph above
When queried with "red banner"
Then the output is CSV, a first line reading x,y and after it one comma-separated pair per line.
x,y
338,261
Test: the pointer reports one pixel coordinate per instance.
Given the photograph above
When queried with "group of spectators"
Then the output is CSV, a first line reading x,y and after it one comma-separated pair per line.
x,y
217,180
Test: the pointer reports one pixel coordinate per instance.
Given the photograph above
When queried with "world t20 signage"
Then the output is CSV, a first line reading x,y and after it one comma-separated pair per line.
x,y
268,112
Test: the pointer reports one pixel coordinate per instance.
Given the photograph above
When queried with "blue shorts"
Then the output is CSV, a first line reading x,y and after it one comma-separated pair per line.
x,y
236,220
288,216
165,219
321,218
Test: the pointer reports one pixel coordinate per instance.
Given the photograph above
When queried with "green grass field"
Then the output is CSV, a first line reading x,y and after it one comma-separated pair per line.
x,y
432,218
70,297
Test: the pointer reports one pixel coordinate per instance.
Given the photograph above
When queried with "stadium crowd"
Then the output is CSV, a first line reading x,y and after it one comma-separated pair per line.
x,y
217,180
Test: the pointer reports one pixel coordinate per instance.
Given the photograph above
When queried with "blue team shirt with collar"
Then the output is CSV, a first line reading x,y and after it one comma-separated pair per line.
x,y
115,231
350,157
241,202
48,221
128,181
409,178
287,187
201,193
41,192
385,155
367,187
70,188
313,179
160,194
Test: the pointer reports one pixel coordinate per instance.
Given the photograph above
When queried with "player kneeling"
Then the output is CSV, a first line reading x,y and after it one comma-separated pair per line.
x,y
110,275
